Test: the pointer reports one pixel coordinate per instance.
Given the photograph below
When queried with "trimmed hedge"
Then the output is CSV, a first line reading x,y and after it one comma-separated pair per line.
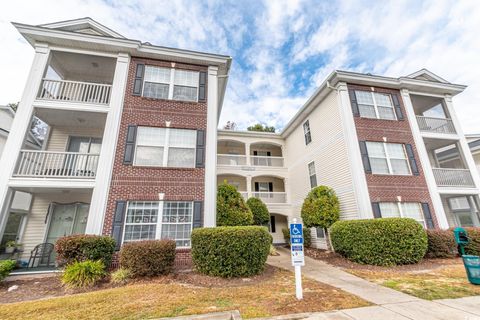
x,y
320,208
260,213
307,237
83,247
441,244
230,251
231,207
148,258
473,247
384,242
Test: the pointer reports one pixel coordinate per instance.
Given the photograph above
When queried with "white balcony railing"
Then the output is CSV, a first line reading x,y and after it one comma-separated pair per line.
x,y
271,197
265,161
231,160
48,164
435,125
447,177
244,194
75,91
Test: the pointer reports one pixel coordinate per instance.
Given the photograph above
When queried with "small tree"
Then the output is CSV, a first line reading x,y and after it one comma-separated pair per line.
x,y
231,208
261,216
320,208
262,128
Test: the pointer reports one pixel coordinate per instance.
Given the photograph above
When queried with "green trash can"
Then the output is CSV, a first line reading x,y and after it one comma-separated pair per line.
x,y
472,265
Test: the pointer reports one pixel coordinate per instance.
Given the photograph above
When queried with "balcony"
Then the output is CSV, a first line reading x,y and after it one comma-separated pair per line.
x,y
231,160
75,91
435,125
271,197
448,177
49,164
266,161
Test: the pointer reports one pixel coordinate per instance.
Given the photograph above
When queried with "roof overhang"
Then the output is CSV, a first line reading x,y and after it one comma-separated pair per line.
x,y
251,134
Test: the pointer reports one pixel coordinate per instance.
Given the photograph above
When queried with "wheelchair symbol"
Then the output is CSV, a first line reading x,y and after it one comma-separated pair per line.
x,y
295,230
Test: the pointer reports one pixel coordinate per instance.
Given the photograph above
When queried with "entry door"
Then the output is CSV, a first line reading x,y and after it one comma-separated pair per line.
x,y
67,219
12,228
83,164
263,161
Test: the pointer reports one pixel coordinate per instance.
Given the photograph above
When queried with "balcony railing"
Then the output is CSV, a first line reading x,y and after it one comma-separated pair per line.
x,y
231,160
48,164
271,197
75,91
244,194
435,125
453,177
265,161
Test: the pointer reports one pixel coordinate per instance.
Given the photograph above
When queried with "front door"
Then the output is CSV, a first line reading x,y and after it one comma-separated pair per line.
x,y
67,219
83,163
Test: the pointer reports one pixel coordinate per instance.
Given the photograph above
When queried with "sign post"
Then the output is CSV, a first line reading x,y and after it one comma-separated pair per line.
x,y
298,258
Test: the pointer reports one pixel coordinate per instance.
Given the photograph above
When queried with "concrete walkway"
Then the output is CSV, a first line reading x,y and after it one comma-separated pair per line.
x,y
390,304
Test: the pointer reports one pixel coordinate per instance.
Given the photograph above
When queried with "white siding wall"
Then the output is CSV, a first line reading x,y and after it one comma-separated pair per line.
x,y
58,140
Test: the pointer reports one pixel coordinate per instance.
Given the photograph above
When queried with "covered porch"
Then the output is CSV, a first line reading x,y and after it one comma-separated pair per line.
x,y
462,210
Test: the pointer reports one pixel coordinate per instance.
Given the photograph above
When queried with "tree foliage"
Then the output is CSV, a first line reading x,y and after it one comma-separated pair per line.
x,y
231,208
261,216
261,127
320,208
230,125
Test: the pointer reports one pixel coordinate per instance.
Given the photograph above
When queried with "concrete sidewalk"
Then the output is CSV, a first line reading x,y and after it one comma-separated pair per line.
x,y
390,304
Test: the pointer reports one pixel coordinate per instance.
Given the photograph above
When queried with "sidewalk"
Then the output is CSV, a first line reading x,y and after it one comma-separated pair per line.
x,y
390,304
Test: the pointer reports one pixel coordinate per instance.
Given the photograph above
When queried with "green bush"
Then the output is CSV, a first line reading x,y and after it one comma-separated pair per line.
x,y
473,247
260,213
307,237
148,258
120,275
83,274
231,208
385,242
320,208
441,244
83,247
6,266
230,251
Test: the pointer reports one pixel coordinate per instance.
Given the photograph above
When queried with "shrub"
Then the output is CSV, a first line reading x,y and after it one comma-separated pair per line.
x,y
260,213
6,266
230,251
148,258
120,275
385,242
231,208
320,208
307,237
83,274
473,247
78,248
441,244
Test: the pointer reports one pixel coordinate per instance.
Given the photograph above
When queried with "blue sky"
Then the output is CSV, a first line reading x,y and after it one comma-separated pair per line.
x,y
282,50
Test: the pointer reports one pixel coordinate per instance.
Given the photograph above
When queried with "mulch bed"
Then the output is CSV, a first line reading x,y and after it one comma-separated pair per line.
x,y
337,260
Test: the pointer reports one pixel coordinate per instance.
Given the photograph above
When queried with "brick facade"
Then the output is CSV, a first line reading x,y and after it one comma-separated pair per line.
x,y
386,188
145,183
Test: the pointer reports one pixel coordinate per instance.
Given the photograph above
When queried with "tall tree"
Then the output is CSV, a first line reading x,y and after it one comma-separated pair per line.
x,y
261,127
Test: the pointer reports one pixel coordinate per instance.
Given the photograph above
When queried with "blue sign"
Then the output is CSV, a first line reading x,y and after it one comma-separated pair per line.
x,y
297,240
296,230
296,247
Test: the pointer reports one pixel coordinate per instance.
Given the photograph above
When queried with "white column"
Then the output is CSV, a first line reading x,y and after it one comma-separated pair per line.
x,y
425,161
249,186
359,179
21,125
98,203
286,186
247,153
210,205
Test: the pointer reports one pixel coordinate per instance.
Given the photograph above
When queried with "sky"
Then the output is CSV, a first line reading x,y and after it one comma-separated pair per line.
x,y
282,50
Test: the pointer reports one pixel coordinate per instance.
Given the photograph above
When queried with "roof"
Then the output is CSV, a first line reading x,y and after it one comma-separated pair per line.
x,y
84,25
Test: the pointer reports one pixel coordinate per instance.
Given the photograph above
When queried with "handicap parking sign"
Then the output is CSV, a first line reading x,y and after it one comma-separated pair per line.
x,y
296,246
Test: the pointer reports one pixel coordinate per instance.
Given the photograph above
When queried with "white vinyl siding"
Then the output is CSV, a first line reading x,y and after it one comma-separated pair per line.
x,y
375,105
173,84
402,210
388,158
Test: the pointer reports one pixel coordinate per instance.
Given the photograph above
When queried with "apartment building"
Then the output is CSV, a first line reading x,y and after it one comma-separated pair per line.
x,y
131,144
379,142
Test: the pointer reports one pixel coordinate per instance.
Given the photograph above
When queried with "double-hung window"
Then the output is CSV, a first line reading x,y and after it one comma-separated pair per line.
x,y
165,147
173,84
375,105
312,174
147,220
157,82
402,210
306,132
185,86
388,158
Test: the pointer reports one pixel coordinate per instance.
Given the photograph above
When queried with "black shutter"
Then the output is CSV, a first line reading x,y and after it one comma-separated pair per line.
x,y
428,215
270,186
376,210
200,150
138,82
257,189
130,144
366,161
117,226
197,214
273,228
411,158
396,104
202,81
353,102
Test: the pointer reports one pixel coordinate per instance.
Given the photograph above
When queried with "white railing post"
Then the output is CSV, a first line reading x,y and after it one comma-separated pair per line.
x,y
74,91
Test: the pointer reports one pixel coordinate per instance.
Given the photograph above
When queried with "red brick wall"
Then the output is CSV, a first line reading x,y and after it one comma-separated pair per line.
x,y
145,183
386,188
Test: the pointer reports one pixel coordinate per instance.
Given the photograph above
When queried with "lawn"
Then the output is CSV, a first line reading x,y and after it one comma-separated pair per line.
x,y
175,296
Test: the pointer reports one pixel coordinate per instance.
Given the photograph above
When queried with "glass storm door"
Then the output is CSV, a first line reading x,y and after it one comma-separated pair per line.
x,y
67,219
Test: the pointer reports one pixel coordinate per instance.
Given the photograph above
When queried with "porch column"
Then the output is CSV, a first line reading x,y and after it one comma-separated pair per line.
x,y
249,186
286,186
247,153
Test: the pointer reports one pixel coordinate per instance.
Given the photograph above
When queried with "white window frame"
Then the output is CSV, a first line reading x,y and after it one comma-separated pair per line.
x,y
159,223
388,158
375,105
310,175
166,149
171,84
401,211
307,131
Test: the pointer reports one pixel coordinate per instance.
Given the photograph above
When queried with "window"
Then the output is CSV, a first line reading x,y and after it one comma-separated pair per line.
x,y
142,221
312,174
375,105
158,84
402,210
463,212
388,158
320,232
165,147
306,132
